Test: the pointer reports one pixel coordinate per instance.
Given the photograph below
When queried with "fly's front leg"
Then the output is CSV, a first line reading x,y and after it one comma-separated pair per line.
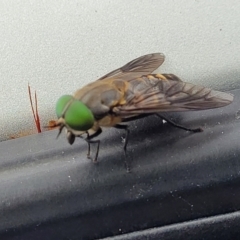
x,y
89,141
89,146
179,126
125,127
98,145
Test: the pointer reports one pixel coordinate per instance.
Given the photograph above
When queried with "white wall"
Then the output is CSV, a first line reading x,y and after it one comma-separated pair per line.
x,y
58,46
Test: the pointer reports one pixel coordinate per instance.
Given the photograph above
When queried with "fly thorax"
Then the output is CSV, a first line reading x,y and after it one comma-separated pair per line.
x,y
101,100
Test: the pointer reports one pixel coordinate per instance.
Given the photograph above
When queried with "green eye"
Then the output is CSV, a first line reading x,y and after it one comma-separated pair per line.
x,y
77,115
62,104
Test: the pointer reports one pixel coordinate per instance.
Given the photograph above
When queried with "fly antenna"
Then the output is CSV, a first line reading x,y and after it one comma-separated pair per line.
x,y
60,131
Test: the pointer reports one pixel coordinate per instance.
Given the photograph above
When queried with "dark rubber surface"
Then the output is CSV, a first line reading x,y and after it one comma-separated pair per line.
x,y
50,190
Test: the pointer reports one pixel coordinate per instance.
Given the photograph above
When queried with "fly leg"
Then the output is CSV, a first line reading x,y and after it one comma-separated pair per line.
x,y
98,144
89,141
179,126
125,127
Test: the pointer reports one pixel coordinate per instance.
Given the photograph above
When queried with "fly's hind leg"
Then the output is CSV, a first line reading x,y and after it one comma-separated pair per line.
x,y
89,141
125,127
179,126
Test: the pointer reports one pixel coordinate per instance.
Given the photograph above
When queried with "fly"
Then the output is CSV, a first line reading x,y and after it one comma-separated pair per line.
x,y
128,93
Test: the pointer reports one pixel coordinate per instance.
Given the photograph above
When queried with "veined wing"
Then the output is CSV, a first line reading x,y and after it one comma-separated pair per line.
x,y
136,68
167,93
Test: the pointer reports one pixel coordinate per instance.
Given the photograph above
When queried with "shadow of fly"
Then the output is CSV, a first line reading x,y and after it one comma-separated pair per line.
x,y
129,93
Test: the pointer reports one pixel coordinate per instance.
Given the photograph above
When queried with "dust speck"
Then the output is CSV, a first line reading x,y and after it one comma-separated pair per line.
x,y
237,115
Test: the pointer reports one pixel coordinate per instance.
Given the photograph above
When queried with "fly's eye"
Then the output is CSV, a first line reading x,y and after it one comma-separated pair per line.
x,y
62,103
78,116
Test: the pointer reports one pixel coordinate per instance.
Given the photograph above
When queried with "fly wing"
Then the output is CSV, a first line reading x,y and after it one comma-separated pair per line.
x,y
137,67
167,93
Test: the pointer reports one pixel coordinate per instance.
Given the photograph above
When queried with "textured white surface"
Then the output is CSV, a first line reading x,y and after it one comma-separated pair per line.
x,y
58,46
